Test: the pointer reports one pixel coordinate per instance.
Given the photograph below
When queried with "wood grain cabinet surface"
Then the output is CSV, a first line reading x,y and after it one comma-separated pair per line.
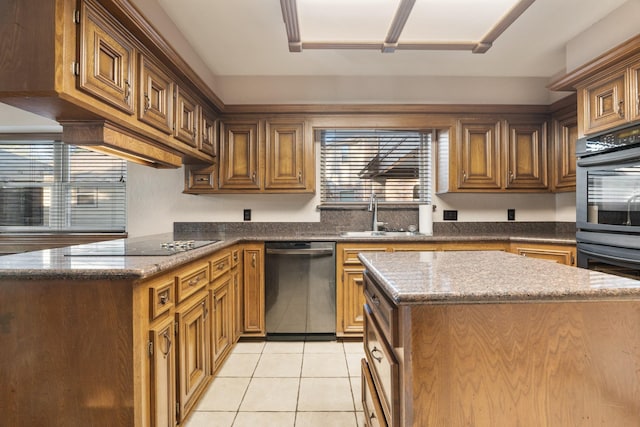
x,y
452,361
494,154
91,61
259,156
107,59
155,93
610,98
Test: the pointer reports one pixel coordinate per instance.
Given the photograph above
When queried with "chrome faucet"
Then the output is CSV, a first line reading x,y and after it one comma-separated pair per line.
x,y
630,200
373,207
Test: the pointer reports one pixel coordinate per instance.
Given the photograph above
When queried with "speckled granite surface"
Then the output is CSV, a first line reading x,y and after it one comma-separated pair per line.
x,y
488,276
55,264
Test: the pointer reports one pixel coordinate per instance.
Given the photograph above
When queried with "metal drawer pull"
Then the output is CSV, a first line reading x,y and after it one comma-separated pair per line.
x,y
221,266
167,341
372,416
374,350
127,90
621,109
194,281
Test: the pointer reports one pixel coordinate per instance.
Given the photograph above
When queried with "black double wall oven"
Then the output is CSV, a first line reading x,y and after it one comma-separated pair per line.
x,y
608,202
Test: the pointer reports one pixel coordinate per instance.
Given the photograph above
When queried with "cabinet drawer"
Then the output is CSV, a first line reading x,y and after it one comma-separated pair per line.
x,y
384,312
384,367
350,255
373,415
192,280
220,265
161,297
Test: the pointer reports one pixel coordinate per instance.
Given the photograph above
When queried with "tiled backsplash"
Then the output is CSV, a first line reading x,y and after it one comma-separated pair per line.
x,y
333,221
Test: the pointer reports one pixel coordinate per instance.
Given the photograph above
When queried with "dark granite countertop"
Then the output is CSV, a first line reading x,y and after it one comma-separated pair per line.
x,y
488,277
56,264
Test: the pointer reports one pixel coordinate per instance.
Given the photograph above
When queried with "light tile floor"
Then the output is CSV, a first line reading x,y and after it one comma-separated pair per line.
x,y
285,384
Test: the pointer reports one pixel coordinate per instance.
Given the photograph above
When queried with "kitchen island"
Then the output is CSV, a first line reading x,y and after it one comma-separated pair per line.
x,y
493,339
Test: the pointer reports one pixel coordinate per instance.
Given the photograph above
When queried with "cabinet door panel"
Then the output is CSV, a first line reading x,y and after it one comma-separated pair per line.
x,y
209,126
563,166
353,301
479,155
526,156
285,156
155,97
605,103
634,92
222,320
193,363
239,156
162,378
254,291
106,59
187,118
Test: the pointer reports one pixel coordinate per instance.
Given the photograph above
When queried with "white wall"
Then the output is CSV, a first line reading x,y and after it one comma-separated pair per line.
x,y
155,201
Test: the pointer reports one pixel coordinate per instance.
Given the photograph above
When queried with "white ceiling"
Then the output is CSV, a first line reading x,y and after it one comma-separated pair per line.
x,y
248,37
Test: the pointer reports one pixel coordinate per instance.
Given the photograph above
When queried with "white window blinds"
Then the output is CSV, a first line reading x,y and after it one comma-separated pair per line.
x,y
393,164
48,186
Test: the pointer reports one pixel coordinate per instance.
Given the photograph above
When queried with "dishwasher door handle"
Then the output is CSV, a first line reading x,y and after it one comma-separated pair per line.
x,y
300,251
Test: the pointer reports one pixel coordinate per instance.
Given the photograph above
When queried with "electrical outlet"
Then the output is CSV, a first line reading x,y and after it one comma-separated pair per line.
x,y
449,215
247,214
511,214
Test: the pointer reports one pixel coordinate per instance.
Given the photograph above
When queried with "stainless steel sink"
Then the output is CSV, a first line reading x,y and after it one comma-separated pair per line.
x,y
380,234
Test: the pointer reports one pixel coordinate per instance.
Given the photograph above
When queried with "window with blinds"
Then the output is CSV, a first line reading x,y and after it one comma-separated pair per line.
x,y
48,186
393,164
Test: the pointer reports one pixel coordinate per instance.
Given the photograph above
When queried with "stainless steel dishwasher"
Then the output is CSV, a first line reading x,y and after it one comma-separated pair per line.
x,y
300,290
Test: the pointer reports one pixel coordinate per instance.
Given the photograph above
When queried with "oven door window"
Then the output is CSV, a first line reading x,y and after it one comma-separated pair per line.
x,y
613,195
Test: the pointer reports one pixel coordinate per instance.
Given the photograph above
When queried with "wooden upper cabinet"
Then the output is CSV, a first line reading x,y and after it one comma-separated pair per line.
x,y
209,132
107,58
285,153
526,156
155,106
563,153
634,91
187,118
479,155
604,103
239,156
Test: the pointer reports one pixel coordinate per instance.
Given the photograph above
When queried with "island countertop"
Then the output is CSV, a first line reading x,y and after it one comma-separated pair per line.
x,y
488,277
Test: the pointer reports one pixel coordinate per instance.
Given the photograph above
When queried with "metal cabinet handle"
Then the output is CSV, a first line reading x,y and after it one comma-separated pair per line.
x,y
168,343
379,358
464,176
127,90
164,298
638,102
253,260
375,300
147,102
221,266
235,256
300,176
511,176
206,310
372,416
202,179
194,281
621,108
253,177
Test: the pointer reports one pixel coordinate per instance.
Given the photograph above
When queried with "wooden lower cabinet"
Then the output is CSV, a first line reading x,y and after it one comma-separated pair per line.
x,y
562,254
253,292
222,321
513,363
193,351
162,375
349,272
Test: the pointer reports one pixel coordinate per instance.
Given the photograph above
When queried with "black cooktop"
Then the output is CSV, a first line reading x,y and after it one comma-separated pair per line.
x,y
147,247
